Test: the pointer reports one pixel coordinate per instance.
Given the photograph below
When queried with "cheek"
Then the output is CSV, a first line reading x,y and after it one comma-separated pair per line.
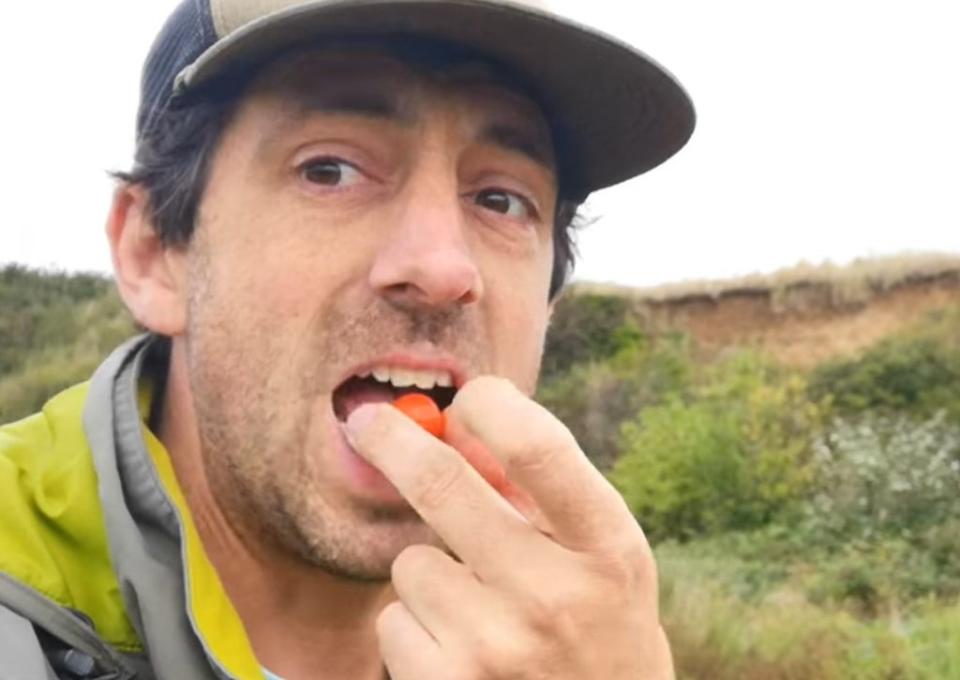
x,y
281,270
517,313
518,323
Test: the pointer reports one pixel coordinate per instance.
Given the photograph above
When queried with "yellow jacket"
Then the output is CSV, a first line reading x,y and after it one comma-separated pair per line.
x,y
97,546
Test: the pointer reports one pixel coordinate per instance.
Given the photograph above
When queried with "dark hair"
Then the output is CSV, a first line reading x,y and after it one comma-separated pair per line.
x,y
173,157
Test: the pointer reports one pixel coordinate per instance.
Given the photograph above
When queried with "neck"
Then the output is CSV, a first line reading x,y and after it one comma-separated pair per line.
x,y
302,621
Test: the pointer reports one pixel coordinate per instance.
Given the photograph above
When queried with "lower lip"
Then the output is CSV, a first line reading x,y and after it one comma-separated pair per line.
x,y
362,478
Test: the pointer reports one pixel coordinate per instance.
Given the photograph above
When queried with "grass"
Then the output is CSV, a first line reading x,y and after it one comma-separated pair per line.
x,y
723,627
88,331
854,283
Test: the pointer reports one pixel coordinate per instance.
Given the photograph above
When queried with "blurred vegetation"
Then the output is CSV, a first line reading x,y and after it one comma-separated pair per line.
x,y
587,328
915,373
733,453
806,523
55,329
765,616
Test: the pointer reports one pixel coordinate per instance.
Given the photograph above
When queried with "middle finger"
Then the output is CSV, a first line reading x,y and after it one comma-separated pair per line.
x,y
472,519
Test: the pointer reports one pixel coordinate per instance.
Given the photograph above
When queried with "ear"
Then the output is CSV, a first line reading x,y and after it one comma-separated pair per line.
x,y
149,275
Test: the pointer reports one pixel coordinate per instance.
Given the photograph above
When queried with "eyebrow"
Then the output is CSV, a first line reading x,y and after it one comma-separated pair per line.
x,y
366,103
516,139
357,102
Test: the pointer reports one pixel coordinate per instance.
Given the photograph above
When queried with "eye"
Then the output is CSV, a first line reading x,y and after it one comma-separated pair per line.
x,y
506,203
331,172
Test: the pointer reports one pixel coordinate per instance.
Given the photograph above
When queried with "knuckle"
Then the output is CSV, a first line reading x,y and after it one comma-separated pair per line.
x,y
483,654
549,612
626,570
437,484
556,622
538,444
500,653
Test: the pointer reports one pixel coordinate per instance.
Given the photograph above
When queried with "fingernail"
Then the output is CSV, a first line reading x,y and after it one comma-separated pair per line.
x,y
358,420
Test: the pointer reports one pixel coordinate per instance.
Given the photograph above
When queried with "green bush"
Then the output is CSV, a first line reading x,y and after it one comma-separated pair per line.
x,y
732,456
595,398
916,372
885,475
586,328
682,471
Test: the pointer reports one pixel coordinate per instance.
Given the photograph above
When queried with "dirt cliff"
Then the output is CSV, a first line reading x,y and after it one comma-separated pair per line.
x,y
805,315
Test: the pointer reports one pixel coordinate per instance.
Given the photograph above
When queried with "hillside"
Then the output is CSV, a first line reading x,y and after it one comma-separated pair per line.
x,y
804,315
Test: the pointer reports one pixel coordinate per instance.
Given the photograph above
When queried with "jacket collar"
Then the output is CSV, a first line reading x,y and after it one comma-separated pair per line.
x,y
172,592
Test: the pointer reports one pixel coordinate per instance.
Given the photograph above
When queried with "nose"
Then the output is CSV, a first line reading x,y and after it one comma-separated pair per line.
x,y
425,262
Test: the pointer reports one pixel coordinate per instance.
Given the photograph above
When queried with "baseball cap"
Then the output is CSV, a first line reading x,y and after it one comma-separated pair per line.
x,y
617,112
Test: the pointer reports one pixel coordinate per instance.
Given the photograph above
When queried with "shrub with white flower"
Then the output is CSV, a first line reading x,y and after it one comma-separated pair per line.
x,y
886,474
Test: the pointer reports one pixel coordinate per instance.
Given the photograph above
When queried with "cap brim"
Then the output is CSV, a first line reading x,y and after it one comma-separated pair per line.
x,y
619,111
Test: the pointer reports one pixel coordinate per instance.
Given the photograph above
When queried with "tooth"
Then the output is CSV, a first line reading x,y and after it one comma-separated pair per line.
x,y
425,381
401,378
365,374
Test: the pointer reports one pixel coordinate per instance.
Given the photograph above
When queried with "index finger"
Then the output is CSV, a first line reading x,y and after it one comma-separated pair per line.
x,y
474,521
541,455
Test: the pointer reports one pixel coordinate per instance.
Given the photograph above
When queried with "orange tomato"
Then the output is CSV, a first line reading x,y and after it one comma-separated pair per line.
x,y
423,411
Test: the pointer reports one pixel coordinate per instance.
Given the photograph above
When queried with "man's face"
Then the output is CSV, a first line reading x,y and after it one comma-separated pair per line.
x,y
362,216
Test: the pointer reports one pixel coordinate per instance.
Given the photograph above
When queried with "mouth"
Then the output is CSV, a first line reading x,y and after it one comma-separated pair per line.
x,y
384,383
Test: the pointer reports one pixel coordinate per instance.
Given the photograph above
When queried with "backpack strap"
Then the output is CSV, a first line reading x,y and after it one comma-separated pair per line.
x,y
64,642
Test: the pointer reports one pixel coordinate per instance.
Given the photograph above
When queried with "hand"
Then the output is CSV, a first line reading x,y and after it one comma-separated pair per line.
x,y
570,594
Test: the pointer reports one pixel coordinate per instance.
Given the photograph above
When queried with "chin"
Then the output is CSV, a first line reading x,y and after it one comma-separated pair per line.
x,y
360,542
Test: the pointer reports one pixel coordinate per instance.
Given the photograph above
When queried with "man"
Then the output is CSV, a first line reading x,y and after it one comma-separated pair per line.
x,y
335,203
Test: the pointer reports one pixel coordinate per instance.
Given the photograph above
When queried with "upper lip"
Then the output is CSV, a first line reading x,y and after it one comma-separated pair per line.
x,y
414,361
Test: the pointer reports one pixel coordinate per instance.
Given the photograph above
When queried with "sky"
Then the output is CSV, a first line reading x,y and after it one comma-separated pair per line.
x,y
827,131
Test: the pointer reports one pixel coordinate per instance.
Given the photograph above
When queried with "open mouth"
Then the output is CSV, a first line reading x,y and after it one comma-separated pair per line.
x,y
387,383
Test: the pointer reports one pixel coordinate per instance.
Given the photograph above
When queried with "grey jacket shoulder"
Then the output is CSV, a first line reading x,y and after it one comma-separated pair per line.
x,y
21,654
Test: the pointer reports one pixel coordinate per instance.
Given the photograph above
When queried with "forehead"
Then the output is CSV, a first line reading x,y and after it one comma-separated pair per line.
x,y
399,82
